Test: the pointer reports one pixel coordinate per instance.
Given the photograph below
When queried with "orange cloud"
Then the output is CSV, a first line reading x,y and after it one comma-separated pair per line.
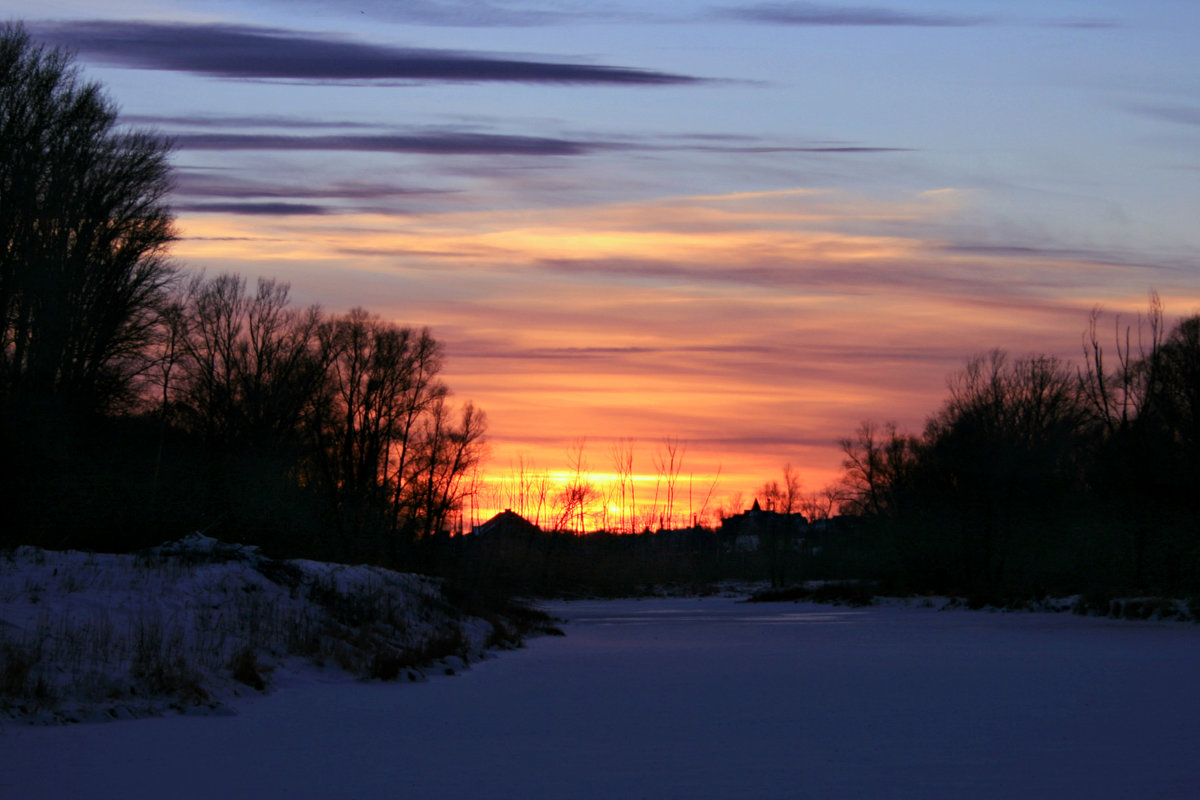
x,y
758,327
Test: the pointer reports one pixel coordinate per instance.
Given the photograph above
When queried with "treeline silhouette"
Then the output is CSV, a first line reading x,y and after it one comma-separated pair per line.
x,y
1038,477
307,433
138,405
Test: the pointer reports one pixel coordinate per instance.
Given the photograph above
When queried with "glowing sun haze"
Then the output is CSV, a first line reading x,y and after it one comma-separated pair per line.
x,y
743,226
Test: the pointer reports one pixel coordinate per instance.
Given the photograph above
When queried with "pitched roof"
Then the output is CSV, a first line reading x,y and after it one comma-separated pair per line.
x,y
507,521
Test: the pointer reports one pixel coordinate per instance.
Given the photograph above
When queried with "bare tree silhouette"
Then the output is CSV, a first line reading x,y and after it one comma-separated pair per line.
x,y
84,230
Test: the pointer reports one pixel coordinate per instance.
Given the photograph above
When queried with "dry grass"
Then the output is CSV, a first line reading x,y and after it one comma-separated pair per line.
x,y
186,629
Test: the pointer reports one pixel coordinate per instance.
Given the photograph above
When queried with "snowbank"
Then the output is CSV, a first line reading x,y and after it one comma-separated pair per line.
x,y
192,624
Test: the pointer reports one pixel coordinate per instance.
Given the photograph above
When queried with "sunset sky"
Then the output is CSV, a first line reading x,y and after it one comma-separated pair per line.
x,y
745,226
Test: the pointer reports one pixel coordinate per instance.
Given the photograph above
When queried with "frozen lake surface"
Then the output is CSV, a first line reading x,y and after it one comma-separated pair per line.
x,y
692,698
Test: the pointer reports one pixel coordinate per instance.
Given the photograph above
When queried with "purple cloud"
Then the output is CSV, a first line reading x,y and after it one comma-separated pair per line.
x,y
457,13
239,51
818,149
1183,115
271,209
839,15
221,183
430,143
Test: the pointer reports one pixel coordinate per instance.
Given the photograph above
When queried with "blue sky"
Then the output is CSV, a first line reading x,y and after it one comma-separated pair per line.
x,y
744,225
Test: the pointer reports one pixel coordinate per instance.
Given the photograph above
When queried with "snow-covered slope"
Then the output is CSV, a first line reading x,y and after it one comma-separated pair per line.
x,y
192,624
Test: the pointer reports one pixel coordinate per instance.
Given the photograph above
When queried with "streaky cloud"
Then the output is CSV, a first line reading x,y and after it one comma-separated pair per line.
x,y
241,51
820,150
242,129
264,209
820,14
242,121
409,252
211,183
1086,24
429,143
458,13
772,441
230,239
1108,258
909,275
492,351
1181,114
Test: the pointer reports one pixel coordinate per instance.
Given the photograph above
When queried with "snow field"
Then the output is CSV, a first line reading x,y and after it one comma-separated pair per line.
x,y
693,698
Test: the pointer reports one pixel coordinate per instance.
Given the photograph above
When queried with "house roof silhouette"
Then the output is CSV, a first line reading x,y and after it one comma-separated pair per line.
x,y
506,523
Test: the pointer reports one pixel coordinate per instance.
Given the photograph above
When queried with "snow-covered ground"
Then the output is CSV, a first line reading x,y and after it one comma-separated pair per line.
x,y
692,698
195,624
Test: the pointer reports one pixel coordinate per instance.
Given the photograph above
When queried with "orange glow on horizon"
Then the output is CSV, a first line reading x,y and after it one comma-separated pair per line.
x,y
652,501
759,328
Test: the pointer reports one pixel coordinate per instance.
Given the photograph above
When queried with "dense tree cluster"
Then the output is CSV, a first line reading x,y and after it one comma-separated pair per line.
x,y
137,405
83,233
1036,476
344,416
